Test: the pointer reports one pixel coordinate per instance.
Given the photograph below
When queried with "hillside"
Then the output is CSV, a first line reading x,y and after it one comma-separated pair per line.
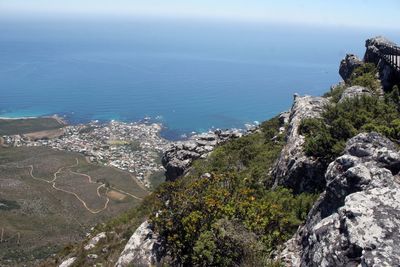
x,y
317,186
51,198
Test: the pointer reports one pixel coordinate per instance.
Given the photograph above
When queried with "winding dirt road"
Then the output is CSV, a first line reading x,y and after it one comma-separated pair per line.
x,y
89,178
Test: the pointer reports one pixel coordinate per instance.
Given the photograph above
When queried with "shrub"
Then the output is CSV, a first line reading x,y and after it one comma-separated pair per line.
x,y
326,137
365,75
336,93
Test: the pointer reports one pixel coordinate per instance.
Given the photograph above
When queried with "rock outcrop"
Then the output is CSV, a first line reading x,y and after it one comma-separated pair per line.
x,y
178,158
356,221
142,250
68,262
386,74
348,65
94,241
283,121
293,168
355,91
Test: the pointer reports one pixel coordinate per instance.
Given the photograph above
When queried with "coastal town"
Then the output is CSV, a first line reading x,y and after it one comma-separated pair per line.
x,y
135,147
132,147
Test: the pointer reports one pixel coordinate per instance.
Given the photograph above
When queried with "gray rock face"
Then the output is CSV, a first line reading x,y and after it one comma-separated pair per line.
x,y
293,168
355,91
143,249
283,120
347,66
178,158
356,221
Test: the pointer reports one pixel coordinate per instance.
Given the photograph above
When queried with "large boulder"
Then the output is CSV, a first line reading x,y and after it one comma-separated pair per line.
x,y
143,249
355,91
348,65
356,221
293,168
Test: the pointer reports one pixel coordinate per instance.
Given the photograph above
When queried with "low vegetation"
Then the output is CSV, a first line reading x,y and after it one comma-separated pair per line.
x,y
326,136
366,76
228,216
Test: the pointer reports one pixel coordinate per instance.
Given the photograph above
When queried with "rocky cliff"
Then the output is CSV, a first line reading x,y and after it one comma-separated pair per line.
x,y
387,76
294,169
355,222
348,65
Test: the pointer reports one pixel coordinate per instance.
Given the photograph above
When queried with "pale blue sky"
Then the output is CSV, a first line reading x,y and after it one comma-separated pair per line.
x,y
355,13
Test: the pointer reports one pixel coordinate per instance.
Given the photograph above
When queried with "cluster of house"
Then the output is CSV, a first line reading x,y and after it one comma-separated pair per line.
x,y
132,147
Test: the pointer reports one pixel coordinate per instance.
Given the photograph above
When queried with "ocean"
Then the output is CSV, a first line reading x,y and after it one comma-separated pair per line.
x,y
189,75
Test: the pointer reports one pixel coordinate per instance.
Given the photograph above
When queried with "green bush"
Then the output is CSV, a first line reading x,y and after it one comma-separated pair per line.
x,y
336,93
393,97
365,75
326,137
189,214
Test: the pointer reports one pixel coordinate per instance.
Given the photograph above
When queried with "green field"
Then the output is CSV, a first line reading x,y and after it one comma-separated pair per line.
x,y
23,126
50,198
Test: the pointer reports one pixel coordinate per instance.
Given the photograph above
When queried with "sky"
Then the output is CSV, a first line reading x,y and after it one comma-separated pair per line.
x,y
353,13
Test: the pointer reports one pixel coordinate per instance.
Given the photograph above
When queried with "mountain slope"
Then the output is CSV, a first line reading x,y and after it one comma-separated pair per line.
x,y
242,204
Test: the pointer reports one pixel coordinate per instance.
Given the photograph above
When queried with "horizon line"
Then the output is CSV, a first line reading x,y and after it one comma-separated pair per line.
x,y
259,17
62,16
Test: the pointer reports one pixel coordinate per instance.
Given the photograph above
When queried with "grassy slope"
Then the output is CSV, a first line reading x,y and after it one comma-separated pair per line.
x,y
47,219
23,126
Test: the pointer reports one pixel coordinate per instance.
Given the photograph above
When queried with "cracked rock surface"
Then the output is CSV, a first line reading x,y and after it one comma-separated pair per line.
x,y
143,248
356,221
293,168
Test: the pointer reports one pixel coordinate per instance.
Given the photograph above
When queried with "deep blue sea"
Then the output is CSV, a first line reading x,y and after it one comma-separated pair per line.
x,y
189,75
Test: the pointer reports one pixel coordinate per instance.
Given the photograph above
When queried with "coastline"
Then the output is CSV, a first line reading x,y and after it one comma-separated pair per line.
x,y
165,132
55,116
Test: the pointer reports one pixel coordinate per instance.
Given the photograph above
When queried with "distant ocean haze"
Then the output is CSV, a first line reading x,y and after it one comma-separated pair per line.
x,y
191,75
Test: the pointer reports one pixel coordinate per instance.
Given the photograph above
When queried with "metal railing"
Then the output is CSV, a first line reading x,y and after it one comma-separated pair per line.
x,y
391,54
